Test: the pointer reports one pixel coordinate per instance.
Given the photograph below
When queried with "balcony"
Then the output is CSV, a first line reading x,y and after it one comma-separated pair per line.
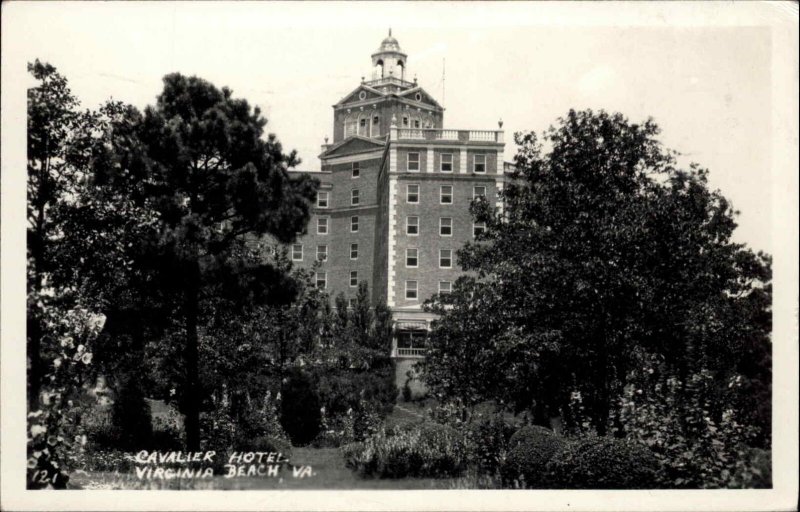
x,y
439,134
410,352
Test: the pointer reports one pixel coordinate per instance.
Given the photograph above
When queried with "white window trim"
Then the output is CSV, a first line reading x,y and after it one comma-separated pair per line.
x,y
475,163
474,195
356,224
327,225
474,225
441,162
416,289
441,194
448,282
327,198
355,197
301,252
351,278
408,193
451,258
417,258
356,166
441,224
324,280
351,251
408,161
324,253
408,224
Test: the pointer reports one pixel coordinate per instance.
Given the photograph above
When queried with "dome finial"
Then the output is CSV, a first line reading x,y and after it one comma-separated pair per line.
x,y
390,31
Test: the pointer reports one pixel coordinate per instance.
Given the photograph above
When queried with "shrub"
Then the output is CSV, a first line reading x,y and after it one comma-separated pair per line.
x,y
603,463
300,408
489,437
529,451
420,451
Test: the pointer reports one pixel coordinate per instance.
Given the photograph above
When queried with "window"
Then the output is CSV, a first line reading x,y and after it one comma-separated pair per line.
x,y
322,226
445,226
479,163
353,251
416,123
322,199
445,258
354,197
411,343
356,170
478,192
412,226
413,162
376,126
322,280
412,194
446,164
354,224
297,252
363,127
351,303
405,120
353,278
445,287
411,258
411,289
322,253
478,228
446,194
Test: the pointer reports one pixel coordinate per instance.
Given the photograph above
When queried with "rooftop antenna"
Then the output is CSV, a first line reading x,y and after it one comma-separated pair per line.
x,y
443,81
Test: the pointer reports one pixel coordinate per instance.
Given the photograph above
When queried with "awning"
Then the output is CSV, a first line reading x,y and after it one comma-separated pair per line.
x,y
411,325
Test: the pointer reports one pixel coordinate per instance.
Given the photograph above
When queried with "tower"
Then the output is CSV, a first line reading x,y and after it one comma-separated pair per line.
x,y
389,61
394,197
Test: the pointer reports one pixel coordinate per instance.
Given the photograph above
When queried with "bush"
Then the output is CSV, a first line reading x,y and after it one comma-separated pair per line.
x,y
419,451
529,451
603,463
489,437
300,408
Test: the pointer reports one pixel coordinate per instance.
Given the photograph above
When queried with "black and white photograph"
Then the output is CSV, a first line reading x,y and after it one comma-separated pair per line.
x,y
512,255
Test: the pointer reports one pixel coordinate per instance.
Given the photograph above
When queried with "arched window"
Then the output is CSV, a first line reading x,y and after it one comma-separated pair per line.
x,y
378,69
350,126
402,67
363,125
375,131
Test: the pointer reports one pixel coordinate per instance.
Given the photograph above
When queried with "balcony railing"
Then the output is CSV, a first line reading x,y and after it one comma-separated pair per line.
x,y
389,80
434,134
411,352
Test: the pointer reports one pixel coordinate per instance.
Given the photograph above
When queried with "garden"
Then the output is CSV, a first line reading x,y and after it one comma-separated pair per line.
x,y
607,332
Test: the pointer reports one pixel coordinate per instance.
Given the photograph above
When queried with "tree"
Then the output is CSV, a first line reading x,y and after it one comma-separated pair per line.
x,y
52,115
211,180
604,247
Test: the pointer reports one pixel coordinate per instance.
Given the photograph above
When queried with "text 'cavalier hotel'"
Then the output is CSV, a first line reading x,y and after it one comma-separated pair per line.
x,y
393,205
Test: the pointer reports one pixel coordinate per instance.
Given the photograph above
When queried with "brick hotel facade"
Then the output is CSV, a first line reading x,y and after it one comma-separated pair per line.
x,y
393,205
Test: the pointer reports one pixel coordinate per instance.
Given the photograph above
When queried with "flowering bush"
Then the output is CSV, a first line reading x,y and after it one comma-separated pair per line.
x,y
696,447
419,451
56,437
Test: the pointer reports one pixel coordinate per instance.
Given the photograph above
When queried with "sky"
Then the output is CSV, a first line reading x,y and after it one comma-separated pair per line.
x,y
707,87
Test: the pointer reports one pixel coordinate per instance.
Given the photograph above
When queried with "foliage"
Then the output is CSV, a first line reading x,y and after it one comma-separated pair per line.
x,y
603,463
416,451
699,441
489,436
131,416
604,246
300,408
56,437
529,451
